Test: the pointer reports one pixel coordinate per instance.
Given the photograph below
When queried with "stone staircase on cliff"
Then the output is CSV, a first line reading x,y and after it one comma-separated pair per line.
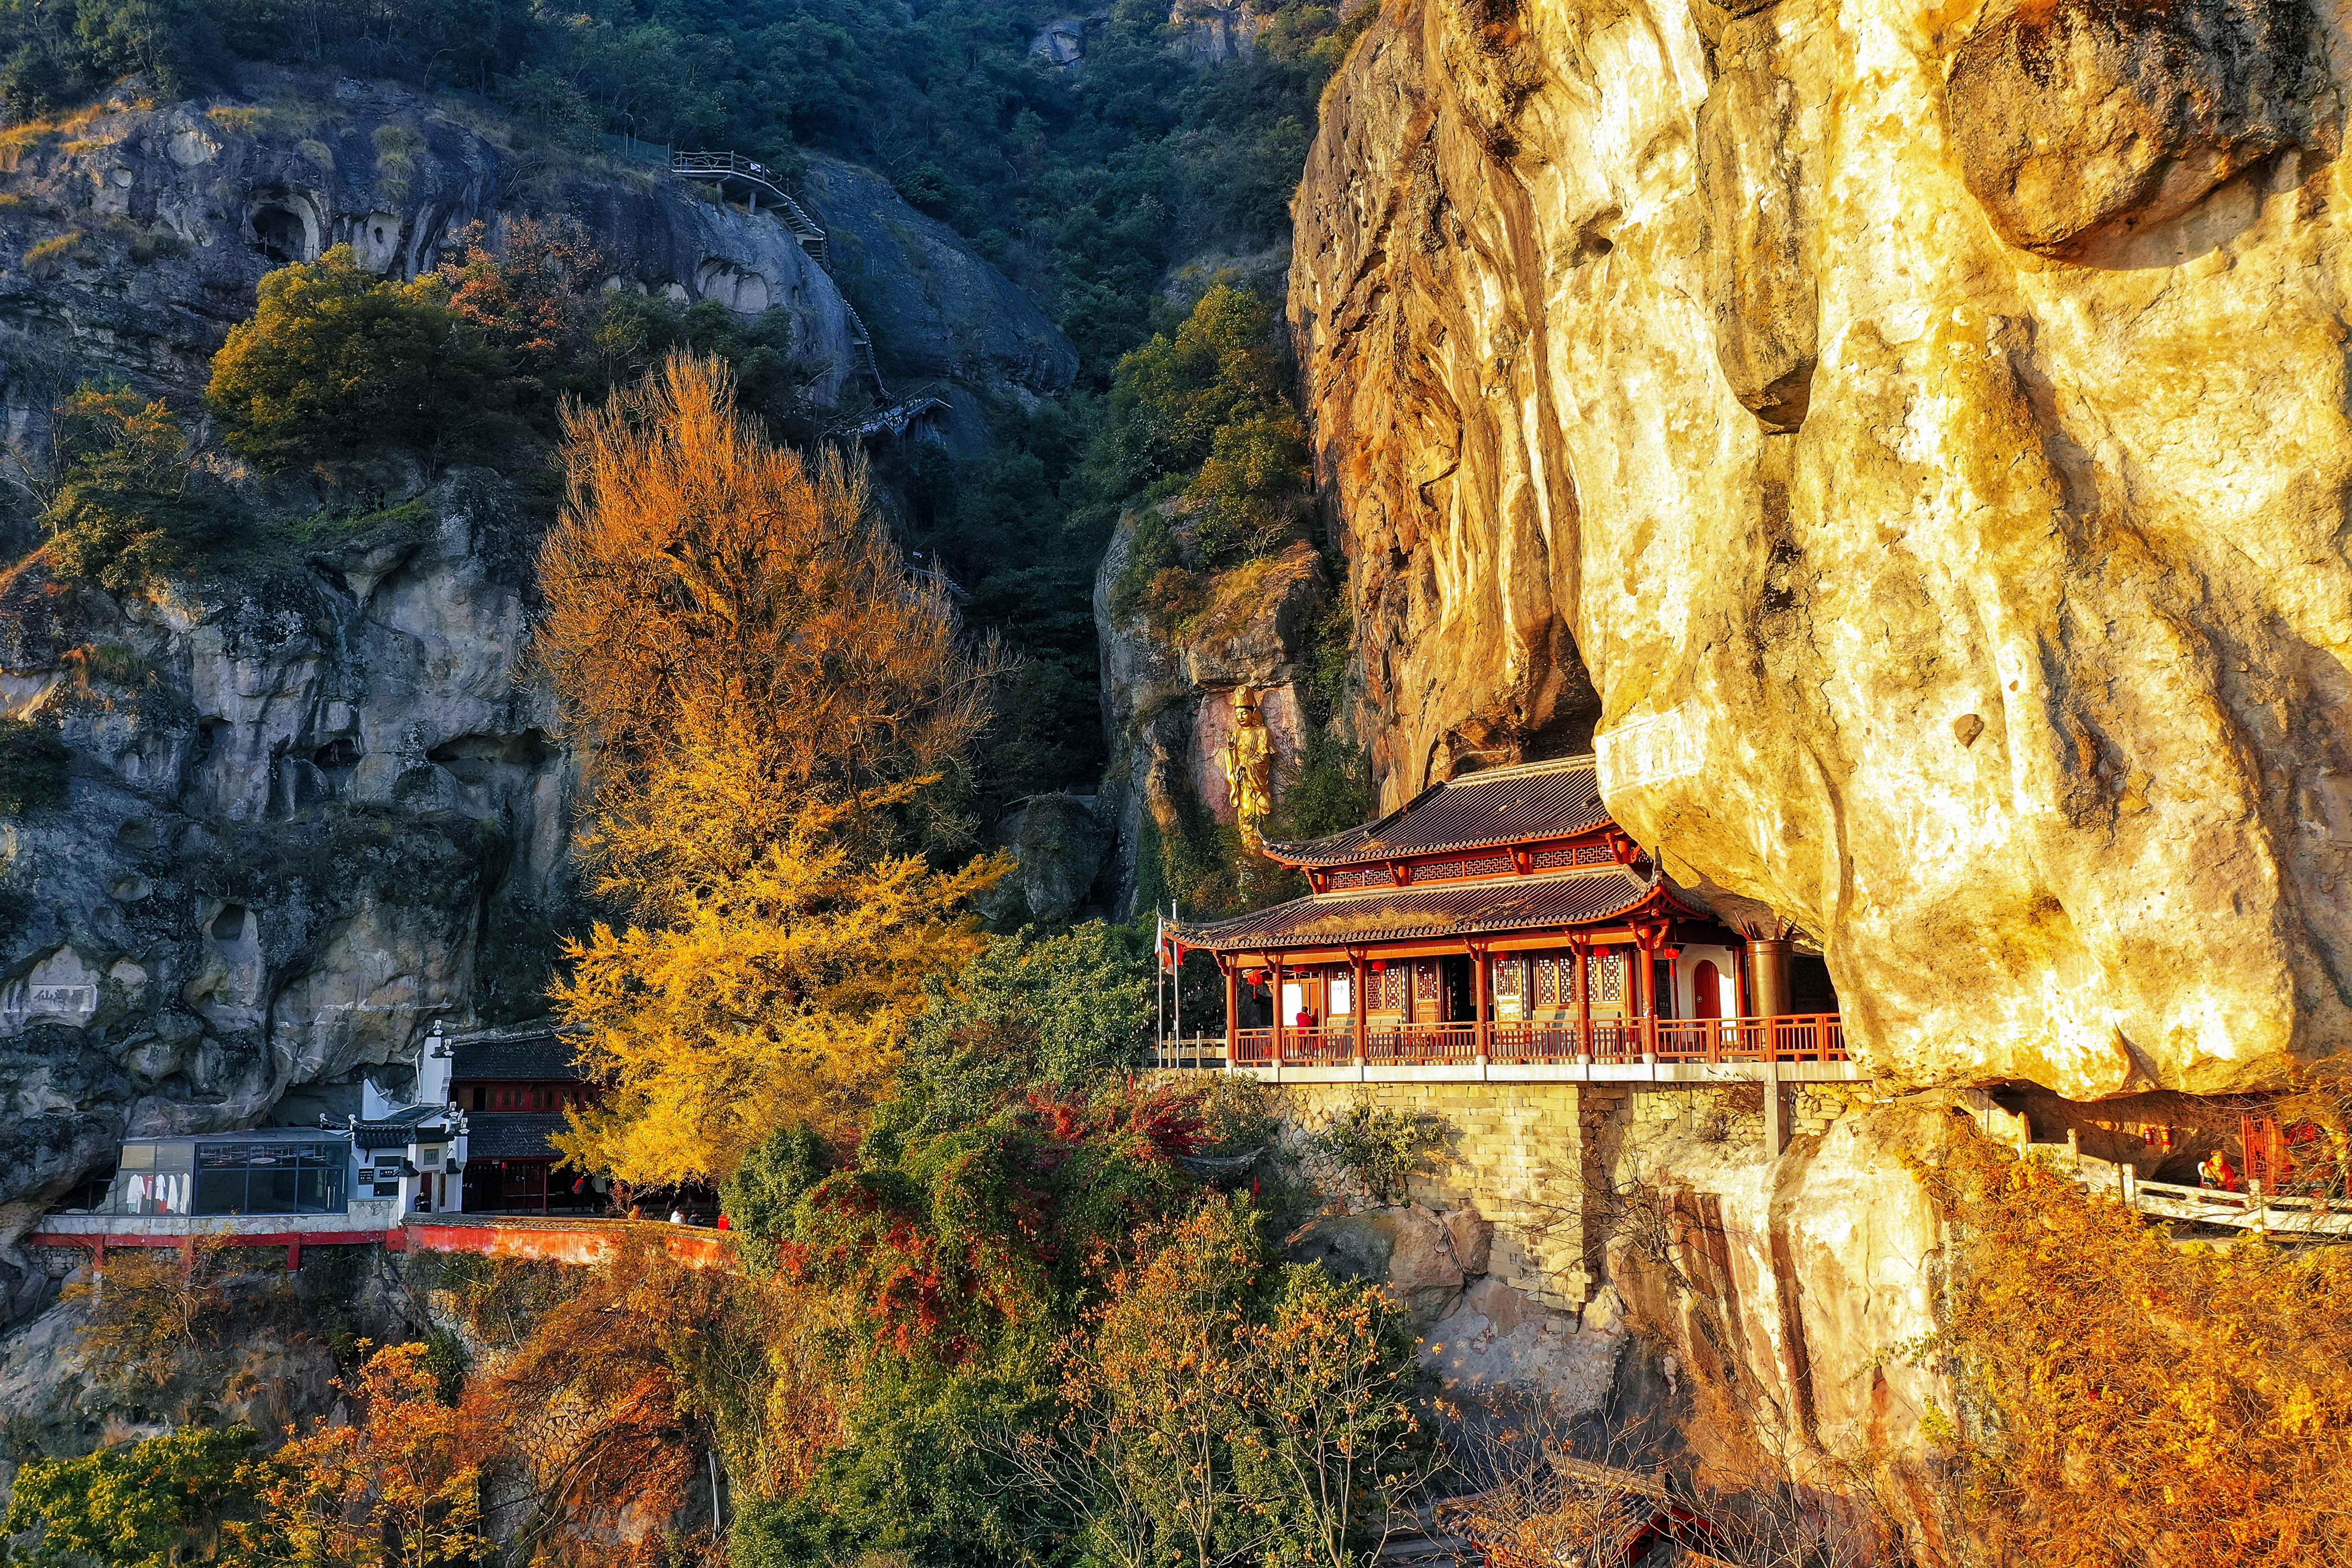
x,y
735,177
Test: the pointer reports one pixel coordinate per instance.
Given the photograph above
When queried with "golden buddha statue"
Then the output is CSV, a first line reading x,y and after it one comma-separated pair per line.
x,y
1248,758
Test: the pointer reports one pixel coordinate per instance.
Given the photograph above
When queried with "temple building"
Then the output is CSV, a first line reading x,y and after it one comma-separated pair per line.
x,y
1503,925
513,1087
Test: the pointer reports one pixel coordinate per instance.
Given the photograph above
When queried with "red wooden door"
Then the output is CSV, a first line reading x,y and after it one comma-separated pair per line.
x,y
1706,990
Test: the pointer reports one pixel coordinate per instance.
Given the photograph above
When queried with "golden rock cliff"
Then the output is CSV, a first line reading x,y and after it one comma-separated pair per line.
x,y
1916,440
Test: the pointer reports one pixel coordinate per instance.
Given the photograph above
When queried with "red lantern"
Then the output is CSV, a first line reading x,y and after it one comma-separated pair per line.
x,y
1669,953
1380,966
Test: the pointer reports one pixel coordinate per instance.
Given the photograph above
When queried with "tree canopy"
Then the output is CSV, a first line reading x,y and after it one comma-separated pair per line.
x,y
336,360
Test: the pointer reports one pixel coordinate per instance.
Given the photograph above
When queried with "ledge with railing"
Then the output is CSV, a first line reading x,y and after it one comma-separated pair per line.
x,y
1806,1038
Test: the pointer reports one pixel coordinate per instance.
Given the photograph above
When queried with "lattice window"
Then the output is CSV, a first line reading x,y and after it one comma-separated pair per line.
x,y
1554,859
1388,989
1609,977
1555,980
1472,865
1428,992
1360,877
1510,978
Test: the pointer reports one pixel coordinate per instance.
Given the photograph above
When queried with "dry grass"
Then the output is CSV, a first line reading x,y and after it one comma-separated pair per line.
x,y
50,256
1369,922
239,119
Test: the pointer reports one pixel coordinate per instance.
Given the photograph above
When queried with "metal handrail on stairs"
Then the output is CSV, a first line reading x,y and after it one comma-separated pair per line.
x,y
719,168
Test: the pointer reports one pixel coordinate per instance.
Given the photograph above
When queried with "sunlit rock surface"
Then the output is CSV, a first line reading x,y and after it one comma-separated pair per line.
x,y
1916,440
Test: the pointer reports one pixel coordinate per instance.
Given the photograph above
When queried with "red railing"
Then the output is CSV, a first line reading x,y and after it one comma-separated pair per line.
x,y
1421,1045
1808,1038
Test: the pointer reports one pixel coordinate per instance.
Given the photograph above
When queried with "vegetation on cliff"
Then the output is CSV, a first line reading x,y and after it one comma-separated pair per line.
x,y
2196,1389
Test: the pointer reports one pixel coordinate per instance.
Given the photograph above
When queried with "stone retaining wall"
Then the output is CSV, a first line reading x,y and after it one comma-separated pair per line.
x,y
1517,1154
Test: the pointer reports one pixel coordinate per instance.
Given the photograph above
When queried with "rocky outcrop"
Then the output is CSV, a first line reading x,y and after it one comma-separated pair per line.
x,y
1790,1301
1168,690
132,240
937,307
309,810
1212,33
1913,446
1058,846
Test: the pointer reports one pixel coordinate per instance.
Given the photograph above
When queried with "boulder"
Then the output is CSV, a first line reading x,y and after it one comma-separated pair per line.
x,y
1919,444
1405,1249
1058,846
1471,1236
2076,119
935,306
199,199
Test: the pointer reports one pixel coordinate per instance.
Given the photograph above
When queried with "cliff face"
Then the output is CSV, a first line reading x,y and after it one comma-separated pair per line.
x,y
314,799
132,239
938,308
1169,693
307,812
1916,441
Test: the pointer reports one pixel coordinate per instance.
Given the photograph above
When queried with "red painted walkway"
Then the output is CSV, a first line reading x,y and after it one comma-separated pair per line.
x,y
529,1237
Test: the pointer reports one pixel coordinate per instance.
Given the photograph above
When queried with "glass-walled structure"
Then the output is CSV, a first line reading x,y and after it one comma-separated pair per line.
x,y
267,1172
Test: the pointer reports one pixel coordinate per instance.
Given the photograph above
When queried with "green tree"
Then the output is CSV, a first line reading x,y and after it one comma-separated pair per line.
x,y
1062,1013
169,41
149,1504
1171,397
1247,497
336,362
131,502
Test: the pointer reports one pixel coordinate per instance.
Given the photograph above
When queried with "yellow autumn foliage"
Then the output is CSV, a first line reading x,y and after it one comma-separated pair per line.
x,y
772,699
2128,1399
774,994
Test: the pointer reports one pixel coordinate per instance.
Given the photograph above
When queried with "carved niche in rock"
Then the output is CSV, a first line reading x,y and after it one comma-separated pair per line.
x,y
2076,119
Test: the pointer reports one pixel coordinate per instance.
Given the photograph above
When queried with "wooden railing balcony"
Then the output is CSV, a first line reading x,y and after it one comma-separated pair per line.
x,y
1805,1038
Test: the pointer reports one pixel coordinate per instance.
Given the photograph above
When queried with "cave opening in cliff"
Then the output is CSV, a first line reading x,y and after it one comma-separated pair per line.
x,y
279,235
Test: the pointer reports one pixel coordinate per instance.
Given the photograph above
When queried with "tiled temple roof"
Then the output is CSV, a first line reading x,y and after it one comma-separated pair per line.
x,y
1501,805
530,1056
1407,914
500,1135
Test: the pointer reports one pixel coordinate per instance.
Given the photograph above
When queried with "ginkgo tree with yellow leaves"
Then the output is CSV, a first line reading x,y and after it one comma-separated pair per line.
x,y
777,707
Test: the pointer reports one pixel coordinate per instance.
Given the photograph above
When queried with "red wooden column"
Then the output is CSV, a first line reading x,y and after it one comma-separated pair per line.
x,y
1584,949
1479,1001
1274,988
1231,968
1363,1004
1645,984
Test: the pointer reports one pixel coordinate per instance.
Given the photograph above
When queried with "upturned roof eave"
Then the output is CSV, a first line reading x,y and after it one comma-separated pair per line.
x,y
1250,932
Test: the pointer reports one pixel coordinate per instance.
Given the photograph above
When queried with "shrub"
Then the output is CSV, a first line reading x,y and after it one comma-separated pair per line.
x,y
131,503
143,1505
2197,1393
1064,1014
32,767
1229,1410
1246,496
1378,1147
1172,395
336,362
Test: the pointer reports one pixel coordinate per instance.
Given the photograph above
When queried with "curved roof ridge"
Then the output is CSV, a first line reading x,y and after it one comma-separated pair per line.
x,y
1527,802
